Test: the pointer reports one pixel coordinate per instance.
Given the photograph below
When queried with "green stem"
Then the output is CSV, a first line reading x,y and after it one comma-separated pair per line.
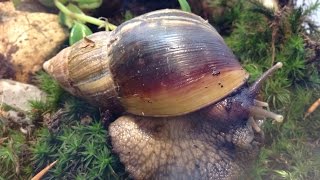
x,y
83,17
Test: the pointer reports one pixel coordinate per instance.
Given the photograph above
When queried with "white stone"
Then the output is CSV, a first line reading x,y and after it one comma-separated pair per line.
x,y
17,95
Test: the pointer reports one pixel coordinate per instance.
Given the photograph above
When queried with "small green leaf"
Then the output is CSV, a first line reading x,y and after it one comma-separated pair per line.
x,y
67,20
184,5
88,4
78,32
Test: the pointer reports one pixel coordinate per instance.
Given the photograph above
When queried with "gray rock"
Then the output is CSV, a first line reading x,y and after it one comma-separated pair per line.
x,y
17,95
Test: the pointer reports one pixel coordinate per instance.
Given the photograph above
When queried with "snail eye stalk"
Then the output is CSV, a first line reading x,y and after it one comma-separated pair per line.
x,y
256,86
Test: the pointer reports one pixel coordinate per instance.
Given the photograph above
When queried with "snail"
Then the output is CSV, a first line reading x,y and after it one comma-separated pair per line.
x,y
187,111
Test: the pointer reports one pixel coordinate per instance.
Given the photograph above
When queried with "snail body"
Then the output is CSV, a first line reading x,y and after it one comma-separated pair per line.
x,y
172,67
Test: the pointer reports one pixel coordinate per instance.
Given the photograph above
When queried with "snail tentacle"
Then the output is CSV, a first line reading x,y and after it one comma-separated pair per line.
x,y
257,111
254,124
254,89
260,103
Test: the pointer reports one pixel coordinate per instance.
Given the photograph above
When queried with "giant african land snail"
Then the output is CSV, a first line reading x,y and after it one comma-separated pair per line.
x,y
188,111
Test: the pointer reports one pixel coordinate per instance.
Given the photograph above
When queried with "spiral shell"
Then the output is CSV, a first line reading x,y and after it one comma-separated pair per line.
x,y
163,63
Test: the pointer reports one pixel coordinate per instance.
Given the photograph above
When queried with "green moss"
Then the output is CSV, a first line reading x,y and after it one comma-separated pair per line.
x,y
81,151
81,147
54,96
14,153
290,151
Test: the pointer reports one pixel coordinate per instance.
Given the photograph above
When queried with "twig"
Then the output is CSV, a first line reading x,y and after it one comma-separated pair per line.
x,y
275,24
83,17
273,39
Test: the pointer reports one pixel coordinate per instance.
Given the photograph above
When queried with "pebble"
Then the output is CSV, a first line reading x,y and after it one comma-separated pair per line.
x,y
17,95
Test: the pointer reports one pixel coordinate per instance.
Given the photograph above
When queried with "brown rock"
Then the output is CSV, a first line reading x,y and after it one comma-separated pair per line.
x,y
27,40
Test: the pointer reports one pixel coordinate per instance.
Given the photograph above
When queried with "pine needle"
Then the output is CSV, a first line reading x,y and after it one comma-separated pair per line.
x,y
44,171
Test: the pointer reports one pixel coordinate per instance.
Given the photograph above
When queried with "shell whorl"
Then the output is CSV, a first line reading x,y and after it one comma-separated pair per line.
x,y
170,62
57,67
82,70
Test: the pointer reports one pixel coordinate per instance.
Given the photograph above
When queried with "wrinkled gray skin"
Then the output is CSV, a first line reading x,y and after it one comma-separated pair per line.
x,y
184,147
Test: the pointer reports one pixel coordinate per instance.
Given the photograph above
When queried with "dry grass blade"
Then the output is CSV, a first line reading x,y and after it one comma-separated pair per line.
x,y
44,171
312,108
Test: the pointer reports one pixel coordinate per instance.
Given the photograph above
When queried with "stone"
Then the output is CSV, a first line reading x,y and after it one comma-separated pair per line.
x,y
28,38
17,95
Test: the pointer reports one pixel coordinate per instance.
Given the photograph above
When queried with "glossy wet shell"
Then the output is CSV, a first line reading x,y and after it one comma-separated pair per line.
x,y
170,62
163,63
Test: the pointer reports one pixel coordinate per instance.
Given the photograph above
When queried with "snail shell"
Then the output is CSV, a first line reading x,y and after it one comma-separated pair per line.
x,y
163,63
